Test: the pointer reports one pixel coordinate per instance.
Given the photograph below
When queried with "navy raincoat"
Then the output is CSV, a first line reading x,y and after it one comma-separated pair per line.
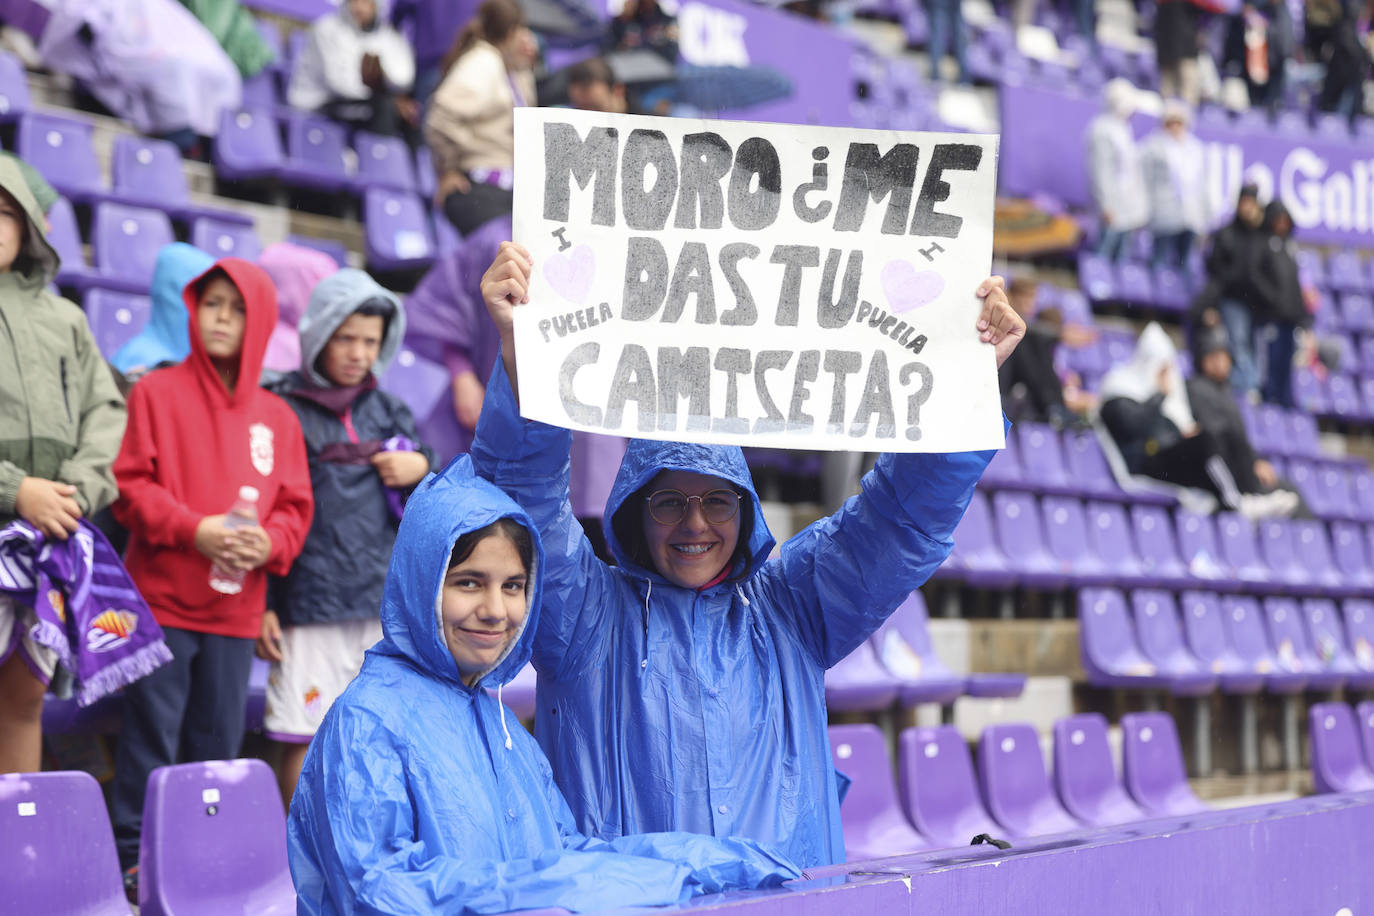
x,y
417,798
665,708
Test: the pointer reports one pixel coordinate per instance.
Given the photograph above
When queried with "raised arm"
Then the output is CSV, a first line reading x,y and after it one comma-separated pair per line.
x,y
842,576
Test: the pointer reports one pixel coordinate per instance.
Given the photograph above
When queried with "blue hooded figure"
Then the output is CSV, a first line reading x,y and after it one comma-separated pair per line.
x,y
684,688
166,336
417,796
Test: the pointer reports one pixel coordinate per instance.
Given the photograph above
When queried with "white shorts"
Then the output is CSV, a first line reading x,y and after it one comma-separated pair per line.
x,y
16,623
319,661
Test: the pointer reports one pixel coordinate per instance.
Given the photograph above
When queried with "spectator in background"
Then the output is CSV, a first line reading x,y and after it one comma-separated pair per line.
x,y
1031,388
1176,180
164,340
470,126
323,614
61,419
1230,298
592,86
1333,36
1283,303
1115,173
433,25
643,24
1176,48
295,271
198,432
1259,42
1213,402
946,29
359,70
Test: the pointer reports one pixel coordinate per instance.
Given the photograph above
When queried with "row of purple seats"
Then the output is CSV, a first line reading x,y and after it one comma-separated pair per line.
x,y
1238,643
1136,283
1343,271
938,800
1042,460
1274,430
1331,490
1337,734
1340,395
213,843
898,664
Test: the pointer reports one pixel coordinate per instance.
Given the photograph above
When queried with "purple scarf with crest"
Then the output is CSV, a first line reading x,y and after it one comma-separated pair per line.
x,y
89,611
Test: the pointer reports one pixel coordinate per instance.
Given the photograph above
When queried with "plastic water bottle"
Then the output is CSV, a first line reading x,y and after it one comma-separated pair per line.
x,y
243,514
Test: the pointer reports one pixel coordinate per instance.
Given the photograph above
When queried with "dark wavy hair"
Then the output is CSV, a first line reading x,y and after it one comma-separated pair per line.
x,y
508,528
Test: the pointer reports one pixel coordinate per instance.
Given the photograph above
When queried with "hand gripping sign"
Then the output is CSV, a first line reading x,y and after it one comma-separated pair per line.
x,y
755,284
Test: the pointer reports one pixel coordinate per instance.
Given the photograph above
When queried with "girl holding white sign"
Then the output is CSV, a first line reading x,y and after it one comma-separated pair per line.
x,y
684,689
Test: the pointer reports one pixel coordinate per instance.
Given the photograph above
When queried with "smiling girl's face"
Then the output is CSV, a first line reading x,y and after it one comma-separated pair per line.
x,y
484,604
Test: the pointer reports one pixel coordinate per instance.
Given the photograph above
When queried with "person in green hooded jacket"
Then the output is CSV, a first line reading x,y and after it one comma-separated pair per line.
x,y
61,422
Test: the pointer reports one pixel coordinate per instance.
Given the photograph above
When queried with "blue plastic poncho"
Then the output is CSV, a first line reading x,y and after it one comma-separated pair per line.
x,y
415,798
664,708
166,336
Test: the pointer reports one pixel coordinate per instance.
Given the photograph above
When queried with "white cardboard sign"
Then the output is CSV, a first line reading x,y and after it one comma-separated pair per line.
x,y
755,284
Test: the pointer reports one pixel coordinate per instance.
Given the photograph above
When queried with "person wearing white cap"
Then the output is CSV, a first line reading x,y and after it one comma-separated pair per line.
x,y
1176,179
1114,170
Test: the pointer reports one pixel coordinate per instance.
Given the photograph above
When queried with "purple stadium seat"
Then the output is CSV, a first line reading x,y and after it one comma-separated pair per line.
x,y
1110,530
976,554
1357,312
1085,776
519,694
426,182
214,841
1073,305
1042,458
1153,766
335,249
1205,632
1344,397
1197,545
65,238
1302,435
1107,643
859,683
1021,535
446,238
1012,775
260,91
1367,350
1240,549
126,241
57,846
1338,763
256,705
1305,476
315,155
1314,555
1160,559
1088,466
1345,272
384,162
148,173
1005,468
14,89
1289,638
1312,268
1173,291
871,815
1362,487
1328,639
61,149
1358,614
1066,535
397,233
1278,548
425,387
1309,393
1097,278
902,646
1265,424
226,240
1250,638
939,790
1365,713
1348,552
1160,637
248,147
1134,283
115,317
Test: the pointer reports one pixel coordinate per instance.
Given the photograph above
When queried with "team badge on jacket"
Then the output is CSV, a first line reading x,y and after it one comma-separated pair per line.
x,y
260,448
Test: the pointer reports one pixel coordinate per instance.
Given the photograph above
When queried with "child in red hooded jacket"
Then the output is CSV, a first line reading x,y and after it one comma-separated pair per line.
x,y
197,432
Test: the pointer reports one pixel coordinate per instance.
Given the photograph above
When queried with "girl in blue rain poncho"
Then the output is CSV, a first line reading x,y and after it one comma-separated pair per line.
x,y
684,689
416,796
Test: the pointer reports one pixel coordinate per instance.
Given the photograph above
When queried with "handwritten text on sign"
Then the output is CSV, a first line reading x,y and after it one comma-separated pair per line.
x,y
755,284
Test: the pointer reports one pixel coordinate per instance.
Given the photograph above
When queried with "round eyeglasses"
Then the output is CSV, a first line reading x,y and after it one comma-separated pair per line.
x,y
668,507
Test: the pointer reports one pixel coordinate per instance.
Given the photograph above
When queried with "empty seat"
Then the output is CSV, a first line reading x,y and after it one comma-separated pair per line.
x,y
1309,393
61,149
426,182
1160,560
1288,636
115,317
1327,635
1357,312
1135,283
1313,551
149,173
1348,553
226,240
57,846
1249,636
1344,397
1042,459
1278,547
1345,272
976,555
1085,776
1110,532
859,683
1358,616
1005,468
397,234
1111,656
126,241
1017,790
1066,533
1088,466
426,388
214,841
902,645
248,147
14,88
1365,715
315,155
1197,544
1240,549
1338,763
1152,762
384,162
1204,629
874,825
1362,486
939,790
1160,637
65,238
1301,434
1021,535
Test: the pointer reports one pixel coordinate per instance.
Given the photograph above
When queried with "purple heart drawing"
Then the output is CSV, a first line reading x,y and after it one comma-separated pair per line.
x,y
571,273
907,288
